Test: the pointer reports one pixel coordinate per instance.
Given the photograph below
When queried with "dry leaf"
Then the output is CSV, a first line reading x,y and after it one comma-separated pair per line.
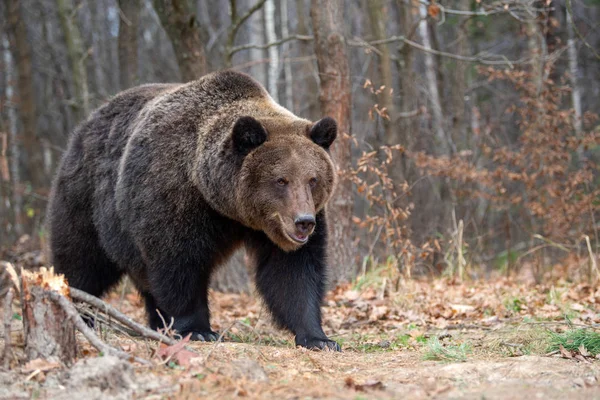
x,y
565,353
378,313
177,352
39,364
579,357
583,351
433,10
461,308
368,385
577,307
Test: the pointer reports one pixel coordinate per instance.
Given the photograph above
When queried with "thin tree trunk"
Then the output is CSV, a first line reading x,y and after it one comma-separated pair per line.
x,y
15,150
128,46
377,17
273,50
287,66
179,22
459,86
436,210
100,86
407,121
335,95
308,102
77,57
256,29
432,85
574,71
4,171
21,50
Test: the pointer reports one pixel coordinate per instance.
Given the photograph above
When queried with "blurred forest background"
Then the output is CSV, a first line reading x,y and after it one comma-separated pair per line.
x,y
471,145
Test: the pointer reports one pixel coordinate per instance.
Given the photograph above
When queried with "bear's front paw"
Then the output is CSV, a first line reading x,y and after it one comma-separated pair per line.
x,y
209,336
318,344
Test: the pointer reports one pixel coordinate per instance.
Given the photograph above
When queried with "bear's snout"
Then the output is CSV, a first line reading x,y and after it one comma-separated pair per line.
x,y
305,225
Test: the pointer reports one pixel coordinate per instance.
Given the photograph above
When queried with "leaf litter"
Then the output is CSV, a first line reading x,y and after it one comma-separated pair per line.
x,y
437,338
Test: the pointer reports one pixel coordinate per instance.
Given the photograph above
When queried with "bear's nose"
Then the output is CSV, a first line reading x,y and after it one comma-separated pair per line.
x,y
305,224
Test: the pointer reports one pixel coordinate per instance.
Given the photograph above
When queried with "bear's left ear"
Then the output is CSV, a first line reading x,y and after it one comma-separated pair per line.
x,y
247,135
324,132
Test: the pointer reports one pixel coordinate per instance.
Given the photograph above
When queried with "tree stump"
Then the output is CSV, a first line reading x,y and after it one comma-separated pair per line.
x,y
49,332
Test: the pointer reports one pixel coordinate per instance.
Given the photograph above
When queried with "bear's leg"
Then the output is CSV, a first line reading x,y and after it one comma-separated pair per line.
x,y
154,319
74,244
293,285
180,293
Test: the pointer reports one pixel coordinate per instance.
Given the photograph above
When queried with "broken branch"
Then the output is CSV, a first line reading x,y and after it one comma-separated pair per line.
x,y
109,310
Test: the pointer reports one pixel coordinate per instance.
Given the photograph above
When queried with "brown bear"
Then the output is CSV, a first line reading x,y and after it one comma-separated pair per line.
x,y
165,181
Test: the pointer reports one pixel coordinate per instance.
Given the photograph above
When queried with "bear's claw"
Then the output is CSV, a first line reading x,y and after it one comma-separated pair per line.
x,y
203,336
321,344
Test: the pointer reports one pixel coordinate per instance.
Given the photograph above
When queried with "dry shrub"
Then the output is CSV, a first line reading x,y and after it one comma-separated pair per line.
x,y
383,224
546,184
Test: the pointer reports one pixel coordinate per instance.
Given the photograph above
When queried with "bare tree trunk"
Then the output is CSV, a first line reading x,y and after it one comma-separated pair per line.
x,y
335,95
256,28
179,22
308,105
408,119
538,50
436,209
77,57
287,66
574,71
273,50
21,50
128,46
13,142
100,84
459,86
377,19
432,85
4,171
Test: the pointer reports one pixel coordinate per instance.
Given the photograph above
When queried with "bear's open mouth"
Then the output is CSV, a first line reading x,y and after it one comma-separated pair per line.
x,y
298,238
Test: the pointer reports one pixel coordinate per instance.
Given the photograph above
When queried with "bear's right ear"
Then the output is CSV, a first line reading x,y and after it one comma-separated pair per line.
x,y
324,132
247,135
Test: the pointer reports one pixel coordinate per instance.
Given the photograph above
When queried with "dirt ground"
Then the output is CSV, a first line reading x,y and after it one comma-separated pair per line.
x,y
418,340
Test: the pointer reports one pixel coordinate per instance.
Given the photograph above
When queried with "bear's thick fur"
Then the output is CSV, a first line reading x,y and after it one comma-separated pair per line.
x,y
165,181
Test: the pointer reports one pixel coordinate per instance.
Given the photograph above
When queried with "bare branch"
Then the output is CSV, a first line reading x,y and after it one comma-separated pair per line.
x,y
357,42
119,316
490,9
475,59
585,42
248,14
236,24
89,334
267,45
233,10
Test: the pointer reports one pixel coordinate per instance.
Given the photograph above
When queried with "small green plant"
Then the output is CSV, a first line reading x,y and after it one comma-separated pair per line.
x,y
437,351
381,343
504,259
403,340
574,339
514,304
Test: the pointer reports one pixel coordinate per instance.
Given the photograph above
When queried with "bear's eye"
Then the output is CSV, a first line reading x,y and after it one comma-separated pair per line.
x,y
282,181
312,182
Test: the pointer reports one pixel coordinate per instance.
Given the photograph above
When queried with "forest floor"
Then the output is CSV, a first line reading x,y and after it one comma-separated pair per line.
x,y
422,339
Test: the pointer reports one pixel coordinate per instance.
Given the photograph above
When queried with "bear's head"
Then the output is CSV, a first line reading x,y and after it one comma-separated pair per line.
x,y
286,176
